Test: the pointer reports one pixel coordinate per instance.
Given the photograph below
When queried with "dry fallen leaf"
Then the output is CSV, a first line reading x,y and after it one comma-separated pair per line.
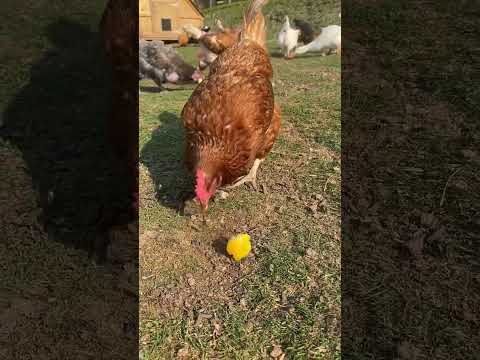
x,y
415,244
407,351
427,219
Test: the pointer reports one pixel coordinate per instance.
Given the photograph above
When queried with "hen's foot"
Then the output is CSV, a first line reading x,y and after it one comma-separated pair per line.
x,y
250,178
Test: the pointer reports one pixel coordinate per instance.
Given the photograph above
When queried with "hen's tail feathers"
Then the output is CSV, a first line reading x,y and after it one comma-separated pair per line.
x,y
220,25
193,31
254,23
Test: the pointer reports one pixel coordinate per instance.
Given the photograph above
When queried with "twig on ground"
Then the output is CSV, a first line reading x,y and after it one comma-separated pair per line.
x,y
446,185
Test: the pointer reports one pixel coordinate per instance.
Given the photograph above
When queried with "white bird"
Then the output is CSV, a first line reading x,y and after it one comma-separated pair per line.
x,y
329,39
193,31
288,38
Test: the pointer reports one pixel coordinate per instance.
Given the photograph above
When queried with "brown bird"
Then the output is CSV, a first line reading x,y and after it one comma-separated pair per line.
x,y
231,120
213,43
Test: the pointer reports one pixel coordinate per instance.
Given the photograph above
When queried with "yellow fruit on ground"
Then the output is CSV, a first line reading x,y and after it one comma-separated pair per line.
x,y
239,246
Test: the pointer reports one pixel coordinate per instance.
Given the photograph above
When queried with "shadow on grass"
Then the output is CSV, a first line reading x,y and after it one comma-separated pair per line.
x,y
163,156
55,126
168,87
58,122
150,89
313,54
220,245
276,54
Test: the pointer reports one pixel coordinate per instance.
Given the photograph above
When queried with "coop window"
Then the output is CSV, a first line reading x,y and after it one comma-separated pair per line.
x,y
167,24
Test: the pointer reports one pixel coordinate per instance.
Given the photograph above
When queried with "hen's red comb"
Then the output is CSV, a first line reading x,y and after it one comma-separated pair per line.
x,y
201,188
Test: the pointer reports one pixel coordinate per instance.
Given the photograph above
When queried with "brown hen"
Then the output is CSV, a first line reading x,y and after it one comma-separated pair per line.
x,y
231,120
213,43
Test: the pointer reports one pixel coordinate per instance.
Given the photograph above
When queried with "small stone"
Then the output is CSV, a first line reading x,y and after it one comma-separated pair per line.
x,y
276,351
190,280
182,353
322,349
217,329
311,253
223,194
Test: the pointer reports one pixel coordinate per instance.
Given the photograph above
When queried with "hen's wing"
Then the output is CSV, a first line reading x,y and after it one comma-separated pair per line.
x,y
271,134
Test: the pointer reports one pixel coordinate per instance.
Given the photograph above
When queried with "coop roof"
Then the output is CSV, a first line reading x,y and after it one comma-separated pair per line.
x,y
196,6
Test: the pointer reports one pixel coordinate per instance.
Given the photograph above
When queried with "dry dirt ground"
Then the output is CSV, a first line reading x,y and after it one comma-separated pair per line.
x,y
410,181
55,303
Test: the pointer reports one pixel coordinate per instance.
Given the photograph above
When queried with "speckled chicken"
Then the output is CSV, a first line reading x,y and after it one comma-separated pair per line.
x,y
163,64
306,31
231,120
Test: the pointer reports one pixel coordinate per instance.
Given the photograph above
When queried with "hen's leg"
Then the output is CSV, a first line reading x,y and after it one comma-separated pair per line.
x,y
250,178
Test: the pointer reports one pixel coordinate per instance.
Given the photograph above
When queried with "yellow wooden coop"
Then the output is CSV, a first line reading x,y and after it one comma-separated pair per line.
x,y
164,19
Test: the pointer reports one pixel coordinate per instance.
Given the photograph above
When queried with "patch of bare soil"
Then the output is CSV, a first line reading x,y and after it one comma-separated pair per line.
x,y
410,202
55,303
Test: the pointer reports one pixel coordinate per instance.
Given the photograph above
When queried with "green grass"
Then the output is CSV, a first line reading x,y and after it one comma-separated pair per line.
x,y
288,292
